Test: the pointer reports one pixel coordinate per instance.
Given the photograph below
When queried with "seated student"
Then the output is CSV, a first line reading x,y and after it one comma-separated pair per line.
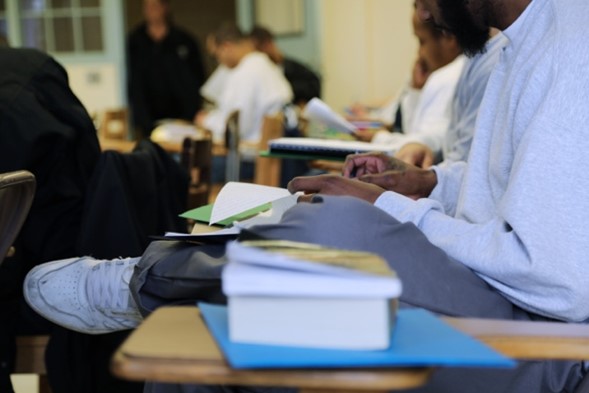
x,y
255,87
465,106
502,236
212,89
305,83
423,114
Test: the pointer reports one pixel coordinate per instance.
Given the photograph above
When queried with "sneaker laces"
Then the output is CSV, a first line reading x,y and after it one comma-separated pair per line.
x,y
108,287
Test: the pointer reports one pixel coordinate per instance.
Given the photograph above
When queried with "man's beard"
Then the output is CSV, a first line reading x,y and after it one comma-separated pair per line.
x,y
458,21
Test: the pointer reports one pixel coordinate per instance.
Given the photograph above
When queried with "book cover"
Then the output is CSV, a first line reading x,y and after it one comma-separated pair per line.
x,y
300,294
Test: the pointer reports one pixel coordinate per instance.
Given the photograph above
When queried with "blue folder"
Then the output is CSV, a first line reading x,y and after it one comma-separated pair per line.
x,y
418,339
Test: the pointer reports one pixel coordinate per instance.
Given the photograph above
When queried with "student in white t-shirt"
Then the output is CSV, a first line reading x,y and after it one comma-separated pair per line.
x,y
425,105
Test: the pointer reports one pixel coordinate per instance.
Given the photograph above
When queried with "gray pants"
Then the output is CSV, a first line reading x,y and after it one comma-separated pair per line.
x,y
177,273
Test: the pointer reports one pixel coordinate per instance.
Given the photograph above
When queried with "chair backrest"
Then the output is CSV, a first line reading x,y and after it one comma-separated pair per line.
x,y
197,159
115,124
17,190
268,169
232,146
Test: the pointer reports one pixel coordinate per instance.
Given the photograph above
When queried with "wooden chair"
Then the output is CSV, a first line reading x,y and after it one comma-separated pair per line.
x,y
17,190
268,169
232,140
115,124
174,345
197,158
30,358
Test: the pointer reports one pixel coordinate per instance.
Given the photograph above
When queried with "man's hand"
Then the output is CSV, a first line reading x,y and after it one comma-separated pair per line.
x,y
391,174
414,183
416,154
357,165
334,185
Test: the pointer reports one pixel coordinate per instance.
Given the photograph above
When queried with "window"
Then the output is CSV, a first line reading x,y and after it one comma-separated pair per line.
x,y
3,23
55,26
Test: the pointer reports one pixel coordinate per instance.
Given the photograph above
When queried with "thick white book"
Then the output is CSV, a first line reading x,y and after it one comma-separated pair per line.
x,y
298,294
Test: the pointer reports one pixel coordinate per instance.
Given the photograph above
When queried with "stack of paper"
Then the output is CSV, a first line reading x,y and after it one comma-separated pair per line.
x,y
298,294
318,110
325,147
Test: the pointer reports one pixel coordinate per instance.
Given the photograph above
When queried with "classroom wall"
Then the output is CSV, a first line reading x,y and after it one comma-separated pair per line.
x,y
368,49
305,47
363,50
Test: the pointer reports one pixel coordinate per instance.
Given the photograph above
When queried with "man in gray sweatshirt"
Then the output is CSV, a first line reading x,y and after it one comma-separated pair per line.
x,y
502,236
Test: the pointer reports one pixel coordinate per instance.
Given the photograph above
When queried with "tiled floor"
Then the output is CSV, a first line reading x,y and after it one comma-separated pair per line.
x,y
25,383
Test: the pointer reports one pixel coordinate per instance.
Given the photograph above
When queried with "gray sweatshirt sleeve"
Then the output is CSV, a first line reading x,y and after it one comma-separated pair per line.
x,y
534,248
448,188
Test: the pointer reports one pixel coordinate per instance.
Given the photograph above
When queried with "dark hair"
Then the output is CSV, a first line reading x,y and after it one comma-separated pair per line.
x,y
261,35
228,32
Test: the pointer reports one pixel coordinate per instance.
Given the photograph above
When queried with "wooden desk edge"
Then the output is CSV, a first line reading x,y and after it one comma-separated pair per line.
x,y
517,339
533,340
190,371
132,362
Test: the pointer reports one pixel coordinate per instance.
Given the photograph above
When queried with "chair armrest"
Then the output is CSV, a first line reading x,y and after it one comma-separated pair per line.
x,y
529,339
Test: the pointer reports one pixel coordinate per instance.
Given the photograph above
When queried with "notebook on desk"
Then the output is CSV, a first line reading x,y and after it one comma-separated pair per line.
x,y
419,340
325,147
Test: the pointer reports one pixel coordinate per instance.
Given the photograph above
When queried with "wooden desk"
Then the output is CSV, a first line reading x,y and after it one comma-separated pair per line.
x,y
174,345
125,146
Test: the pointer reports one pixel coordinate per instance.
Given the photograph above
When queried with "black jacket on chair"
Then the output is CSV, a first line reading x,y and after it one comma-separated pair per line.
x,y
131,197
44,129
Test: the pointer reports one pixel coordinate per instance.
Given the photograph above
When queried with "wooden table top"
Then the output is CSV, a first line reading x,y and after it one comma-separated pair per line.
x,y
173,345
126,146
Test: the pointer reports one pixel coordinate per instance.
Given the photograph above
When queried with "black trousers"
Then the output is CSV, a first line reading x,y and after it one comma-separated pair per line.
x,y
177,273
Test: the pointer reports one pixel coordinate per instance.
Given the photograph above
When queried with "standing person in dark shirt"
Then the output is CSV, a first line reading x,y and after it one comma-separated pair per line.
x,y
304,82
165,69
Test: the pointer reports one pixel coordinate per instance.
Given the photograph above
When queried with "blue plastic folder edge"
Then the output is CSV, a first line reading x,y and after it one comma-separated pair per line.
x,y
419,339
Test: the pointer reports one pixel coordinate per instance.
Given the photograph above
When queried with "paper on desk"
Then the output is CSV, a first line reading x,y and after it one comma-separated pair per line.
x,y
174,132
236,197
319,111
220,232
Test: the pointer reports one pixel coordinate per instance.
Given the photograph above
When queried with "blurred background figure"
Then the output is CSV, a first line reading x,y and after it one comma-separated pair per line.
x,y
423,111
304,82
213,87
165,70
255,86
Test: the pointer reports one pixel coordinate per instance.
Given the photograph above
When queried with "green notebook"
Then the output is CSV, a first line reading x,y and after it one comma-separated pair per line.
x,y
203,214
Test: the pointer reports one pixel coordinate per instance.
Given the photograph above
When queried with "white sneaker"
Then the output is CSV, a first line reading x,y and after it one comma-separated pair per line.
x,y
84,294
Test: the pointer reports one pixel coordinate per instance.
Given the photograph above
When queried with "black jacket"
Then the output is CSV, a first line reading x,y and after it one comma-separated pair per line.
x,y
132,196
45,129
